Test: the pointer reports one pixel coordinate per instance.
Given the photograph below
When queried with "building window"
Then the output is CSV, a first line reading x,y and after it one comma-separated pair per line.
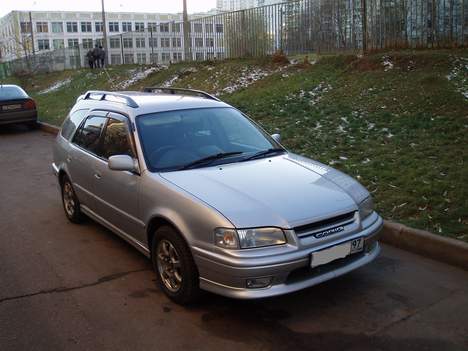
x,y
25,27
57,27
87,43
128,43
177,56
152,27
209,27
165,56
58,44
139,26
86,27
210,55
43,44
176,27
153,42
199,56
114,43
113,27
42,27
176,42
128,59
73,43
209,42
198,42
165,43
197,27
154,57
99,42
164,27
220,55
126,26
219,28
116,59
141,58
98,27
140,42
72,27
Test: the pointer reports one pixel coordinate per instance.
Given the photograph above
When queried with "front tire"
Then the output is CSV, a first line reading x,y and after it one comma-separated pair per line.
x,y
70,202
176,272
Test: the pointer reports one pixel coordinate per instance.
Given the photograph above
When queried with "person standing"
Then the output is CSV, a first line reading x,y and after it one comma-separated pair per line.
x,y
96,56
102,56
90,57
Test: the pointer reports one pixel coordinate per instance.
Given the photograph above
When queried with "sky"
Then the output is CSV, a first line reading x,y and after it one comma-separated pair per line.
x,y
171,6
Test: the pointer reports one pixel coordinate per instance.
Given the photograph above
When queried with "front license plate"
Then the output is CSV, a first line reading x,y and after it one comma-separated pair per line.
x,y
336,252
10,107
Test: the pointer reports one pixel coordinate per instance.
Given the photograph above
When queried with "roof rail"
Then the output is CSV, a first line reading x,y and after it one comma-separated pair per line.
x,y
180,91
114,97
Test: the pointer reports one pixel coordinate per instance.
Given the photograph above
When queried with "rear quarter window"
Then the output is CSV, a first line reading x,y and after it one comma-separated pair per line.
x,y
72,122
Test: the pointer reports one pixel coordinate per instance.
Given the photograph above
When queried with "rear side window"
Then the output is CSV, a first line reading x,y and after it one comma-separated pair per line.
x,y
88,135
12,93
116,139
72,122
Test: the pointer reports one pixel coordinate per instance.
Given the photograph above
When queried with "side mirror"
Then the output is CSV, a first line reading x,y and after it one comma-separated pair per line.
x,y
276,137
122,163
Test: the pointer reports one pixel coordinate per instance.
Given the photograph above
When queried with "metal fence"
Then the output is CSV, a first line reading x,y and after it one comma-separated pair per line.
x,y
295,27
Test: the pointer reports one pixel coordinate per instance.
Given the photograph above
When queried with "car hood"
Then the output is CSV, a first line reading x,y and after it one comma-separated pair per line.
x,y
283,191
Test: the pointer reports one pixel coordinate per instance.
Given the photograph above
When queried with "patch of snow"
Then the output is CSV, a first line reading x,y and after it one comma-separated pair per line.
x,y
387,63
249,76
138,75
459,75
56,86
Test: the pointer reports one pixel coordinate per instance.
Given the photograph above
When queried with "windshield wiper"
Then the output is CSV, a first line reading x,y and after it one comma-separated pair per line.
x,y
264,153
209,159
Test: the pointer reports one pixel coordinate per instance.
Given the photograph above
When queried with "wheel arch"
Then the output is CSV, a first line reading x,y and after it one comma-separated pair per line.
x,y
157,222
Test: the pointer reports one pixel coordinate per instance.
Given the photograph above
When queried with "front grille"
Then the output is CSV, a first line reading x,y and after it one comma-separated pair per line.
x,y
306,230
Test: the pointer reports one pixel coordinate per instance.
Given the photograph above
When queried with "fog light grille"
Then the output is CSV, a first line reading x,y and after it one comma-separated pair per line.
x,y
258,283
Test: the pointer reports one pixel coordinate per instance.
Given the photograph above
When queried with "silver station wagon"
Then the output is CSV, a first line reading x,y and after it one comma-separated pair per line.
x,y
209,196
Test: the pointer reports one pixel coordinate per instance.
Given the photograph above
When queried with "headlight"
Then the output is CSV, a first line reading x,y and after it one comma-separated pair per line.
x,y
248,238
366,207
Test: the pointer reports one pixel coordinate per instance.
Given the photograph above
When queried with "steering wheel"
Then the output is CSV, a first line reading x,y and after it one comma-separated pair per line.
x,y
159,152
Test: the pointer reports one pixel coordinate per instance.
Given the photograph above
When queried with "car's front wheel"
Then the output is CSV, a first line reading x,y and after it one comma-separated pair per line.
x,y
176,272
71,205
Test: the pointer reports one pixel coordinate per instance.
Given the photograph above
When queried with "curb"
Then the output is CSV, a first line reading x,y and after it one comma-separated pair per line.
x,y
448,250
48,128
451,251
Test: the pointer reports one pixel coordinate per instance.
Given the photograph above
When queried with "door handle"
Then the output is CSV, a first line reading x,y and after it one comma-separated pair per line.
x,y
69,159
97,176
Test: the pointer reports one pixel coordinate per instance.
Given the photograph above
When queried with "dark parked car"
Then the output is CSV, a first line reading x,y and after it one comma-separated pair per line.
x,y
16,106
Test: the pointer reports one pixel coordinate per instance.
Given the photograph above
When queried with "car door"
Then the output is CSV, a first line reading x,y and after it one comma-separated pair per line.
x,y
117,191
82,157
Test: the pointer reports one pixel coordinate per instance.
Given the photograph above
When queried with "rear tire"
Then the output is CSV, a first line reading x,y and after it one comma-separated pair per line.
x,y
71,204
176,271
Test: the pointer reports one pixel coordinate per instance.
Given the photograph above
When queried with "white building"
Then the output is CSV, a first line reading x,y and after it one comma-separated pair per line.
x,y
235,5
154,37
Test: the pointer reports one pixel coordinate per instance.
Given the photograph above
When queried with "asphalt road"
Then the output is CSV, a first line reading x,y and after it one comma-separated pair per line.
x,y
79,287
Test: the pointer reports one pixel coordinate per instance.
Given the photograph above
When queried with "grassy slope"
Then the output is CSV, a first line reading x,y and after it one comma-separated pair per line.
x,y
402,132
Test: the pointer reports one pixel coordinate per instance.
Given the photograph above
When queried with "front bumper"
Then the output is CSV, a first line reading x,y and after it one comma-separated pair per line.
x,y
288,275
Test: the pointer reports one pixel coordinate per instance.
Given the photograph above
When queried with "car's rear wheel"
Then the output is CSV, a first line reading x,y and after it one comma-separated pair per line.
x,y
70,201
176,272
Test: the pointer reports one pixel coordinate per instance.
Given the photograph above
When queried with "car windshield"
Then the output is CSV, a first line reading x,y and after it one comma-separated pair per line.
x,y
194,138
11,93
